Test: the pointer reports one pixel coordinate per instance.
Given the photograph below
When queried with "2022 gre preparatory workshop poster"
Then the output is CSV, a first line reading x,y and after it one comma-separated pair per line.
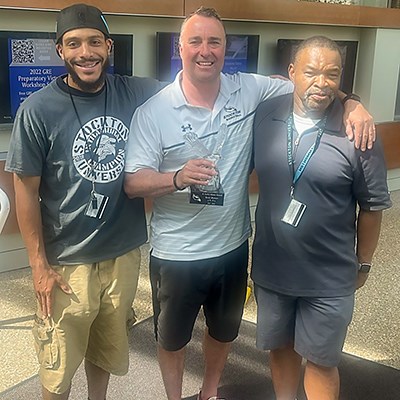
x,y
33,63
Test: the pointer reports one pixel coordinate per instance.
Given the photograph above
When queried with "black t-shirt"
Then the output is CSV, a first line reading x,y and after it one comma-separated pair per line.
x,y
49,141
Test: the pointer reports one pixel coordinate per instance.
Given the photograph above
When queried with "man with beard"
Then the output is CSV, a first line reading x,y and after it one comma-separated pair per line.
x,y
306,267
67,156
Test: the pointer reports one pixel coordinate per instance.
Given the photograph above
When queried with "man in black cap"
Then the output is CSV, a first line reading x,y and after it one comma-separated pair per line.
x,y
83,235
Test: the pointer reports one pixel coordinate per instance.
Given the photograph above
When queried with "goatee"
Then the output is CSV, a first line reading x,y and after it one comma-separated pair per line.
x,y
90,87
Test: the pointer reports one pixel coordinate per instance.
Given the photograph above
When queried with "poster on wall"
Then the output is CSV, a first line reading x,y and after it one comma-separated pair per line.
x,y
28,62
236,53
33,64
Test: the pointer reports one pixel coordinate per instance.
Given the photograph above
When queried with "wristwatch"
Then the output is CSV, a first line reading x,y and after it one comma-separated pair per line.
x,y
351,96
364,267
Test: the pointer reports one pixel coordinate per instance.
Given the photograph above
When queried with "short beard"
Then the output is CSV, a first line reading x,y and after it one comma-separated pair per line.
x,y
90,87
313,108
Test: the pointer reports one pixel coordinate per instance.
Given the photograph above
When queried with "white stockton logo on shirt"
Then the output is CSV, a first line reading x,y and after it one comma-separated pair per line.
x,y
100,144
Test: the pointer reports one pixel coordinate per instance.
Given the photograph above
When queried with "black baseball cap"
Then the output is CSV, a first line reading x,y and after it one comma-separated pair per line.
x,y
80,16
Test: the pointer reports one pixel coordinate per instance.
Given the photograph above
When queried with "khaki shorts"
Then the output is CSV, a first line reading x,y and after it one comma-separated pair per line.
x,y
90,323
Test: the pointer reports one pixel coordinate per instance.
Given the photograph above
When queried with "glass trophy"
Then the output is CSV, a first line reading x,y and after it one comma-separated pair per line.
x,y
212,192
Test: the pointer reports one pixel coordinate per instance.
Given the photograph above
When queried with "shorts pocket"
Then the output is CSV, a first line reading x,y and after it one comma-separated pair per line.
x,y
46,343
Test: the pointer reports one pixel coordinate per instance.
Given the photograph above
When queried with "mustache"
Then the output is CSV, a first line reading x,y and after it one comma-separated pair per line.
x,y
83,85
84,60
320,92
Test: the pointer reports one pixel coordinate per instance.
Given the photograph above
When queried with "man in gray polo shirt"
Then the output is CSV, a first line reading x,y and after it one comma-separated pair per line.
x,y
311,180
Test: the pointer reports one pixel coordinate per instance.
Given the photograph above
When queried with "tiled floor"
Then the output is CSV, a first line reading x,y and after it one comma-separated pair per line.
x,y
374,333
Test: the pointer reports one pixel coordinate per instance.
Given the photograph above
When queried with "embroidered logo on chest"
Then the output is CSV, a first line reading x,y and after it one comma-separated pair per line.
x,y
231,113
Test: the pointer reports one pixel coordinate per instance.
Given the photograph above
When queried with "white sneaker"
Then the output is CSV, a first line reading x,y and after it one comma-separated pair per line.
x,y
210,398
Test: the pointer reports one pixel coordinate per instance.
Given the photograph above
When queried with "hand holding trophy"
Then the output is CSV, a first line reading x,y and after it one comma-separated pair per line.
x,y
210,193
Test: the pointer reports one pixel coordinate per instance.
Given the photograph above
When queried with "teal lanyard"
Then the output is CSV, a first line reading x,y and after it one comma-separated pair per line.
x,y
296,174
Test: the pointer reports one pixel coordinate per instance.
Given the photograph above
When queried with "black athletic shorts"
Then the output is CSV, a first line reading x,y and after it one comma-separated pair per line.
x,y
180,288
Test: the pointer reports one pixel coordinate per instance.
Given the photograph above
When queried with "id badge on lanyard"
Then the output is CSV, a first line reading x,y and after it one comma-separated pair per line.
x,y
296,209
294,212
96,205
97,202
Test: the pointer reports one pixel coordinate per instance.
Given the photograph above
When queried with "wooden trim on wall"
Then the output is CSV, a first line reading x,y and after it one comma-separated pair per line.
x,y
286,11
253,182
379,17
301,12
389,133
170,8
280,11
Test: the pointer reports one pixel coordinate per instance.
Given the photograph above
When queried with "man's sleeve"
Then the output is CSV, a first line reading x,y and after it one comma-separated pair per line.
x,y
273,87
144,88
27,151
144,146
370,183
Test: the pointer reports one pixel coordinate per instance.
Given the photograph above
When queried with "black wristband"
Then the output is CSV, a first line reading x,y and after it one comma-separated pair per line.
x,y
351,96
174,181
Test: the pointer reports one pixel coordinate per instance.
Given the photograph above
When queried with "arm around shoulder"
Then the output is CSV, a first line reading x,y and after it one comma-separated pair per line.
x,y
358,122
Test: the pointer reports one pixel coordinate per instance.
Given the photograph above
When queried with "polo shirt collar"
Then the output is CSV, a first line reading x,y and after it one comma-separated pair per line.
x,y
228,87
334,121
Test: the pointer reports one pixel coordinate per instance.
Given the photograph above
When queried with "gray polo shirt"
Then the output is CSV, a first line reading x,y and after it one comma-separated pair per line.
x,y
181,230
316,258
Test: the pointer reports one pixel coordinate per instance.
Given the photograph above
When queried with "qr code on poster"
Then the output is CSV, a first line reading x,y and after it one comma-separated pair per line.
x,y
22,51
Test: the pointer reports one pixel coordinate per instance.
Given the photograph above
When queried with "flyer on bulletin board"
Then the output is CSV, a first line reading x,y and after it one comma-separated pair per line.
x,y
33,64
